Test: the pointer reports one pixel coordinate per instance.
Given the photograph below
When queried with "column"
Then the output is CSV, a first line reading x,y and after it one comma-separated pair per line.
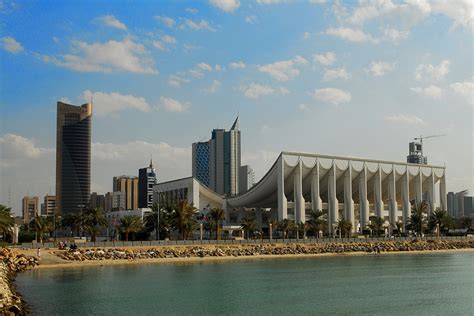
x,y
332,199
392,197
378,203
442,192
348,202
431,193
282,201
300,215
406,209
317,203
418,188
363,202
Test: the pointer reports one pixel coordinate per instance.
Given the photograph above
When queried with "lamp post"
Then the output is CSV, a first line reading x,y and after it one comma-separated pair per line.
x,y
270,229
437,229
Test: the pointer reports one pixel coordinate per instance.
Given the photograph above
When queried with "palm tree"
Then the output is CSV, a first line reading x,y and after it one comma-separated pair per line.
x,y
94,220
249,224
302,229
417,221
182,216
130,224
398,226
344,227
217,215
6,221
152,222
74,222
317,221
464,222
376,224
41,225
285,226
439,218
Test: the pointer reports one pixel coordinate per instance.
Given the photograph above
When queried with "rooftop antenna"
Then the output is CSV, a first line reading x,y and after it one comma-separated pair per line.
x,y
9,197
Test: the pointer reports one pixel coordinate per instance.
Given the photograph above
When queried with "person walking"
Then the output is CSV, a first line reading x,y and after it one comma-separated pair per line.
x,y
38,253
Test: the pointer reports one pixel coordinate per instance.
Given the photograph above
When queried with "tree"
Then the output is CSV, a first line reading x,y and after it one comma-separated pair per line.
x,y
152,222
217,215
398,227
74,222
417,221
344,226
41,225
6,221
317,221
285,226
249,224
464,222
183,218
439,218
302,229
376,224
130,224
93,221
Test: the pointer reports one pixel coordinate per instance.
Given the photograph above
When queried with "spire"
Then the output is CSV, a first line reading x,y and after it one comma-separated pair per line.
x,y
151,161
235,126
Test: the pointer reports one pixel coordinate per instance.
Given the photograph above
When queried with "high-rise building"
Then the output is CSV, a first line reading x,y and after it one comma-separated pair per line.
x,y
469,206
49,205
73,157
115,201
97,201
456,203
452,204
146,181
218,160
129,185
30,208
416,154
247,178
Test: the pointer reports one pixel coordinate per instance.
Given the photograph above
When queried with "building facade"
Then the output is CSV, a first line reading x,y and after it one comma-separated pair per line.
x,y
469,206
115,201
457,203
73,157
30,208
129,185
217,161
97,201
247,178
146,181
49,203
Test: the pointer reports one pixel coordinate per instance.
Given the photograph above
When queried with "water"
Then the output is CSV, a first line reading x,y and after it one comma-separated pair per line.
x,y
411,284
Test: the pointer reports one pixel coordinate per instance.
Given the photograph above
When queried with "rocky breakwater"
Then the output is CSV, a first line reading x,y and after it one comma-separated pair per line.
x,y
164,252
12,262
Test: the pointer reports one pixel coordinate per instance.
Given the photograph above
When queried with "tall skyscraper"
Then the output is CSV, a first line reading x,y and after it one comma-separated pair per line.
x,y
73,157
146,181
247,178
129,185
216,163
30,208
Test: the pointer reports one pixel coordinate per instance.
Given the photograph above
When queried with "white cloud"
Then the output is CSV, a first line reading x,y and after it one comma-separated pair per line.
x,y
169,22
304,107
192,10
461,11
465,89
352,35
110,20
215,86
251,19
336,73
11,45
196,25
107,103
204,66
431,91
125,55
176,80
283,70
169,39
172,105
332,95
405,119
306,35
270,1
371,9
255,90
394,35
237,65
55,39
159,45
380,68
318,1
327,59
225,5
431,72
15,147
218,67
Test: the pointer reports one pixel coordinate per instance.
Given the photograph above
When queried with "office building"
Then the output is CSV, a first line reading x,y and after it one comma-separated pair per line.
x,y
216,163
469,206
97,201
457,203
452,202
247,178
416,154
146,181
30,208
49,205
115,201
129,185
73,157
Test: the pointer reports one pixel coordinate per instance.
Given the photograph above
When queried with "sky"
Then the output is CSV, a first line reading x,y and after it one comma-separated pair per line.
x,y
350,78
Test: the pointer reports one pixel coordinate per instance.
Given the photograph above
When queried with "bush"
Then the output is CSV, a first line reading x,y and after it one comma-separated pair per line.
x,y
24,236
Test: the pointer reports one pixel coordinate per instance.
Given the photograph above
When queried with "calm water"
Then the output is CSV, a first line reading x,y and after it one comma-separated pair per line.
x,y
422,284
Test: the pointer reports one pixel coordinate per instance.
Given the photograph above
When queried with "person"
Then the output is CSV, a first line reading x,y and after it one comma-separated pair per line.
x,y
38,253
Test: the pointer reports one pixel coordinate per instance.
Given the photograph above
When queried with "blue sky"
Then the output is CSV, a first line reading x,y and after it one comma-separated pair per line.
x,y
358,78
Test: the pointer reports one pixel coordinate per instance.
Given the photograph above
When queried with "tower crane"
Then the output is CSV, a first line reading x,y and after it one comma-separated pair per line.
x,y
426,137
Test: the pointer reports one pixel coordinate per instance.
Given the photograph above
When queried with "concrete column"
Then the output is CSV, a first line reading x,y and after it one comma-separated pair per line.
x,y
392,197
442,192
300,215
406,209
431,193
282,201
333,205
418,188
316,202
348,202
363,202
378,192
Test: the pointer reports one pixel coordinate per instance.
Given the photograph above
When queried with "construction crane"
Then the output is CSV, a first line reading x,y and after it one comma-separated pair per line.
x,y
426,137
